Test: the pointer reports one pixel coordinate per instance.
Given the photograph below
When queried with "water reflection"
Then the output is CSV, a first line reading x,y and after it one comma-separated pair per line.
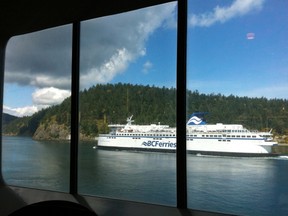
x,y
236,185
241,186
43,165
140,176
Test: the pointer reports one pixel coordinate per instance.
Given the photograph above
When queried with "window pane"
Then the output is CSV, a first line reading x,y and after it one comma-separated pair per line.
x,y
36,124
237,72
128,64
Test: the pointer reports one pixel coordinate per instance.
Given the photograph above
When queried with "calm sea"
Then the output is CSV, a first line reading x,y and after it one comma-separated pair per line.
x,y
242,186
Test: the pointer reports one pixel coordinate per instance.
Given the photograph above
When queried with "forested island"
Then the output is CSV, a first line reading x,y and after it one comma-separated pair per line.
x,y
103,104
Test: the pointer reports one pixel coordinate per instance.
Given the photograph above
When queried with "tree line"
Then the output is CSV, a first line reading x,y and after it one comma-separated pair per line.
x,y
103,104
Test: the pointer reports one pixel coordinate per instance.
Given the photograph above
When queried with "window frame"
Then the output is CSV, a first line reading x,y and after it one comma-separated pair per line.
x,y
181,163
181,86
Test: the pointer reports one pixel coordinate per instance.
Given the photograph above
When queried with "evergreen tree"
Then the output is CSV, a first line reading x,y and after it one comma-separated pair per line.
x,y
101,105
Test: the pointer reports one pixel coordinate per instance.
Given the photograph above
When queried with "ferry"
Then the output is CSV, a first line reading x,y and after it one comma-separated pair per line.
x,y
202,138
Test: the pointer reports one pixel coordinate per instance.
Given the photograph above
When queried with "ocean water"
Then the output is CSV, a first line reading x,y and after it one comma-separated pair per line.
x,y
241,186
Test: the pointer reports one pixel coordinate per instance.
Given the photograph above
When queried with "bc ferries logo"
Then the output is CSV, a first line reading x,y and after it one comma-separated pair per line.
x,y
196,119
159,144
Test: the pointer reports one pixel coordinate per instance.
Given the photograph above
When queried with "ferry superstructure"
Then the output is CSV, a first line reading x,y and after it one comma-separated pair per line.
x,y
202,138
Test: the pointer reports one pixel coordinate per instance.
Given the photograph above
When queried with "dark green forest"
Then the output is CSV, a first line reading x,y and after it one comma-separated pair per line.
x,y
101,105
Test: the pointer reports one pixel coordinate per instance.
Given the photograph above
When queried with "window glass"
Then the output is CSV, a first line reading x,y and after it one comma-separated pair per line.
x,y
36,118
237,75
127,79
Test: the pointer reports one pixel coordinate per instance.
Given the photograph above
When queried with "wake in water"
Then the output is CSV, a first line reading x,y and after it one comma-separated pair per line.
x,y
282,157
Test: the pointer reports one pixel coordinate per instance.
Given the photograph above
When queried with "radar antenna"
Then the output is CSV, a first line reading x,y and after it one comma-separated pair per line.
x,y
129,120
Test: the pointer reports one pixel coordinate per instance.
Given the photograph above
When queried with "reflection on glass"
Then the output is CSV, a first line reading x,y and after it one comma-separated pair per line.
x,y
237,75
127,104
37,81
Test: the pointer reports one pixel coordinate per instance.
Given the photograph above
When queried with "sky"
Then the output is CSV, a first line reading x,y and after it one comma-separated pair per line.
x,y
236,47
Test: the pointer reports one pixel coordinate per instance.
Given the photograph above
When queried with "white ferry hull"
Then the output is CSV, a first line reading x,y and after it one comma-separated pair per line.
x,y
233,147
202,146
143,143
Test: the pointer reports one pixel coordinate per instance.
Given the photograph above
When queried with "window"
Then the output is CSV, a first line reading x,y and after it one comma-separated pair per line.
x,y
237,71
232,47
128,67
122,57
37,76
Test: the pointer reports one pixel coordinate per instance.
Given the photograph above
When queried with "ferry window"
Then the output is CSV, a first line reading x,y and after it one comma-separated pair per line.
x,y
128,67
237,72
36,110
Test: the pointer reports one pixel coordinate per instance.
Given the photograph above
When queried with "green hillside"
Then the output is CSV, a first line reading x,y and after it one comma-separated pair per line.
x,y
6,118
113,103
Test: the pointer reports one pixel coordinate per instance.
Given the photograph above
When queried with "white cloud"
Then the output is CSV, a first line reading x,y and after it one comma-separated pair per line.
x,y
42,98
49,96
21,111
108,45
122,40
116,64
223,14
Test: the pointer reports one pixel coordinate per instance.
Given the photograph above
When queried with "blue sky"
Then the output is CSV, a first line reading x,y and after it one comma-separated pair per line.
x,y
140,48
227,62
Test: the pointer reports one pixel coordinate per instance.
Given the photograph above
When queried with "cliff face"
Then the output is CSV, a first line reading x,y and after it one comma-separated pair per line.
x,y
52,131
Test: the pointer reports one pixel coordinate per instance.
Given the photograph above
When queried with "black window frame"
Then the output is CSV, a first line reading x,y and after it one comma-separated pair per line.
x,y
181,86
